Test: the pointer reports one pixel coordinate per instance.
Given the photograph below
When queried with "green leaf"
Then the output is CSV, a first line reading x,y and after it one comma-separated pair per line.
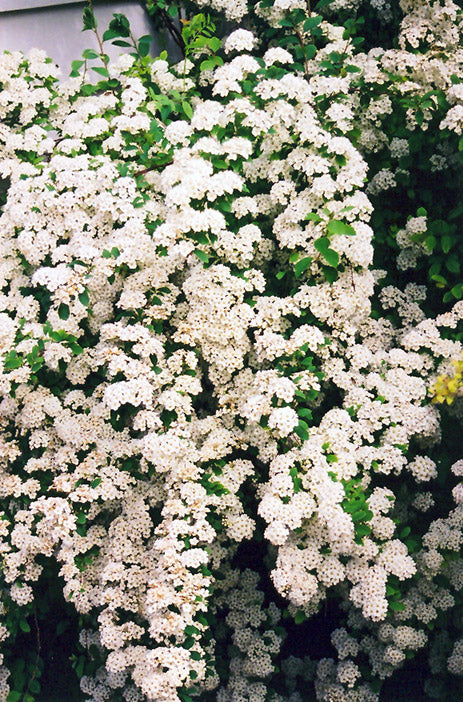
x,y
215,43
138,201
84,298
457,291
313,217
90,54
453,264
207,65
323,246
391,591
312,22
34,686
81,518
101,71
188,110
88,89
120,25
62,626
95,482
89,19
80,667
361,515
302,266
280,275
144,45
190,630
75,67
24,626
120,42
430,242
439,280
200,238
300,617
13,361
309,51
13,696
302,430
304,412
146,39
396,606
110,34
460,144
321,4
362,530
339,228
455,212
202,255
63,311
412,544
448,297
350,507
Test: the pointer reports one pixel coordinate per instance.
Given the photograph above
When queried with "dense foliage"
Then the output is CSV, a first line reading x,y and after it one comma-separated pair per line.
x,y
231,302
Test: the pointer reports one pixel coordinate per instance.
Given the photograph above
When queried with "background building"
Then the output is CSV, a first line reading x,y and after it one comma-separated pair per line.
x,y
56,27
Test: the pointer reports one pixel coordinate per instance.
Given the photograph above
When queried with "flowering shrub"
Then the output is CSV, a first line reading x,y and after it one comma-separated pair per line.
x,y
227,285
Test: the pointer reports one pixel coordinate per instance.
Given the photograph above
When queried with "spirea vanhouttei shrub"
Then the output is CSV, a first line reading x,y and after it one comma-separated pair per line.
x,y
228,288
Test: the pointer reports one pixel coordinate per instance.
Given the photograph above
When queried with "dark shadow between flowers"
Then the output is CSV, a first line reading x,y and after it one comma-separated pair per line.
x,y
312,637
56,627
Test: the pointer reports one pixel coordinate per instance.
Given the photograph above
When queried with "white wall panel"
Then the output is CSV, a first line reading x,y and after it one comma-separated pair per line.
x,y
56,27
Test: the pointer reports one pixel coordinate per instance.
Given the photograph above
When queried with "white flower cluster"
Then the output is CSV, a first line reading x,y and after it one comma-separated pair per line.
x,y
200,368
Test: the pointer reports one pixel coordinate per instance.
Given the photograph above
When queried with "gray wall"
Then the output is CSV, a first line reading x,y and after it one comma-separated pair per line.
x,y
56,27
